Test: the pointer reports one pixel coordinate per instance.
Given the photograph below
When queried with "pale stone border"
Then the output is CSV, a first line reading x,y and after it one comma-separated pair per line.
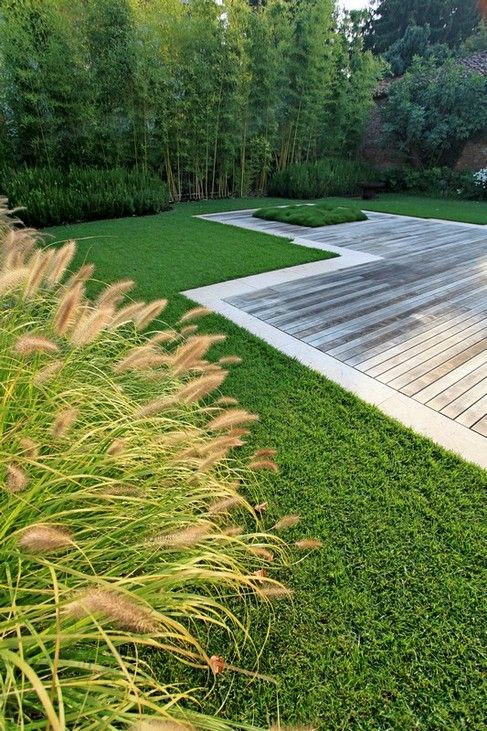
x,y
442,430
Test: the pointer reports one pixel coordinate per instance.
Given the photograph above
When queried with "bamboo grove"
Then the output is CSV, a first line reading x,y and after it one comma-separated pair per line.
x,y
211,95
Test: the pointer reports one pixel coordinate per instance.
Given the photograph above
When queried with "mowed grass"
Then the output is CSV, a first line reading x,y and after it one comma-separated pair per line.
x,y
422,207
387,629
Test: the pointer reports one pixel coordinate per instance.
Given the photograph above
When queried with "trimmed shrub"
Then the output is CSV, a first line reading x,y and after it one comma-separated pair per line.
x,y
52,196
127,519
320,179
321,214
439,182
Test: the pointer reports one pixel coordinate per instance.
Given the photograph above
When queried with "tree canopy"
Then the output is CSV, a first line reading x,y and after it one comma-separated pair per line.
x,y
447,21
433,110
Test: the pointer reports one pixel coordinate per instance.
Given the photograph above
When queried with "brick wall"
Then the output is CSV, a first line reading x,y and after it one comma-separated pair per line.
x,y
474,155
373,149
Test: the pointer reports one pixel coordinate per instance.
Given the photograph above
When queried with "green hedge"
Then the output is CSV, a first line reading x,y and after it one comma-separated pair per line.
x,y
439,182
320,179
52,196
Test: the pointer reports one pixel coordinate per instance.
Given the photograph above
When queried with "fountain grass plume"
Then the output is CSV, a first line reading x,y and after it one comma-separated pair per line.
x,y
118,534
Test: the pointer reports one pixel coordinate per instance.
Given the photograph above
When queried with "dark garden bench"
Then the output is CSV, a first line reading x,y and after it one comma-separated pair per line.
x,y
370,190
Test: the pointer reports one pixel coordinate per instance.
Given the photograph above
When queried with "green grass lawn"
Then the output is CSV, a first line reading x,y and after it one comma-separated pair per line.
x,y
423,207
385,631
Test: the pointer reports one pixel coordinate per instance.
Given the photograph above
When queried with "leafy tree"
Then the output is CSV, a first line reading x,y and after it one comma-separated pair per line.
x,y
45,84
357,74
415,42
110,42
477,41
433,110
448,21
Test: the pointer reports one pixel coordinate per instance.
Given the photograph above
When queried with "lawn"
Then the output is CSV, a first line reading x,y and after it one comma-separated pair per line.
x,y
385,631
423,207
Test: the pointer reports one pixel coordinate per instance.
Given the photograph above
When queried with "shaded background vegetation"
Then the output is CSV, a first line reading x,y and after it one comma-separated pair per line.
x,y
212,97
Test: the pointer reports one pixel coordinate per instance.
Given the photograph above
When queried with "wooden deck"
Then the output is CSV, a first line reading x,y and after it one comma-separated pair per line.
x,y
415,320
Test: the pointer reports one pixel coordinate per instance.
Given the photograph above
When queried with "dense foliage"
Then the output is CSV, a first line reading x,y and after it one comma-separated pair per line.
x,y
446,22
210,96
433,111
439,181
126,521
51,195
320,179
311,215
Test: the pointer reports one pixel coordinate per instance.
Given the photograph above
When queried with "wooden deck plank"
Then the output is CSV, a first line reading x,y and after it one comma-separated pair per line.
x,y
422,352
459,390
475,413
415,320
481,426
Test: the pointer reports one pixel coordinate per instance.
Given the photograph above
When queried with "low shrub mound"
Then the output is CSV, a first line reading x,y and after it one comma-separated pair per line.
x,y
52,196
127,518
311,215
320,179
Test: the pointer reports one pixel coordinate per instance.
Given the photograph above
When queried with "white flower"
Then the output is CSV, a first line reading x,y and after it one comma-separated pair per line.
x,y
480,178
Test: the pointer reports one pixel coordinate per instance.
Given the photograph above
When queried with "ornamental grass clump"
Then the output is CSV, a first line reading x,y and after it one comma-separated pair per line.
x,y
126,517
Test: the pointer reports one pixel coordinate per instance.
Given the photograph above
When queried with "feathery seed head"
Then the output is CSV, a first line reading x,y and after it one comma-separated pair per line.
x,y
268,452
192,351
230,360
68,307
60,262
184,538
200,387
164,336
116,447
188,330
262,552
308,544
63,422
263,464
112,296
149,313
124,613
287,521
126,314
155,724
230,419
275,591
16,478
44,538
226,401
38,266
81,275
224,505
12,279
90,327
195,314
31,344
29,448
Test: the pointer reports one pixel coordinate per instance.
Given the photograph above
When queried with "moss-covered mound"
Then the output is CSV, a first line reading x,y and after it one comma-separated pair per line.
x,y
311,215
